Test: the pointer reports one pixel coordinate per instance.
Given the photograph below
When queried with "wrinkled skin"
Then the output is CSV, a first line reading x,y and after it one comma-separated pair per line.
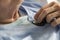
x,y
50,13
9,10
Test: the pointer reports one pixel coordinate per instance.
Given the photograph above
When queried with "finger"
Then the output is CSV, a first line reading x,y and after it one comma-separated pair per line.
x,y
47,11
55,22
44,7
52,15
49,5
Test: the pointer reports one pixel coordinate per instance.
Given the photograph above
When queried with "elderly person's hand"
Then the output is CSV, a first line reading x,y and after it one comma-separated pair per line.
x,y
49,13
9,10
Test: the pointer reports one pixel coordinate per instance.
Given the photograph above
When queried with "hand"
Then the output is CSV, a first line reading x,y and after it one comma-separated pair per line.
x,y
49,13
9,10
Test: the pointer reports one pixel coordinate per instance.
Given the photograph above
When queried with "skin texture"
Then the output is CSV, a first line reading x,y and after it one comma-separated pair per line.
x,y
44,7
9,10
49,13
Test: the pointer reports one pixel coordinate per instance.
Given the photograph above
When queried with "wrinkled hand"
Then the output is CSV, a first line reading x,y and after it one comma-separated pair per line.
x,y
49,13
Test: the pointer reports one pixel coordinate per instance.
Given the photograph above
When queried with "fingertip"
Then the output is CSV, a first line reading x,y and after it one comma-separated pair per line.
x,y
55,22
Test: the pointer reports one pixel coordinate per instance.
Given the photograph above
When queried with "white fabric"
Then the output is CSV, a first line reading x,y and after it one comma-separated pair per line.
x,y
22,29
